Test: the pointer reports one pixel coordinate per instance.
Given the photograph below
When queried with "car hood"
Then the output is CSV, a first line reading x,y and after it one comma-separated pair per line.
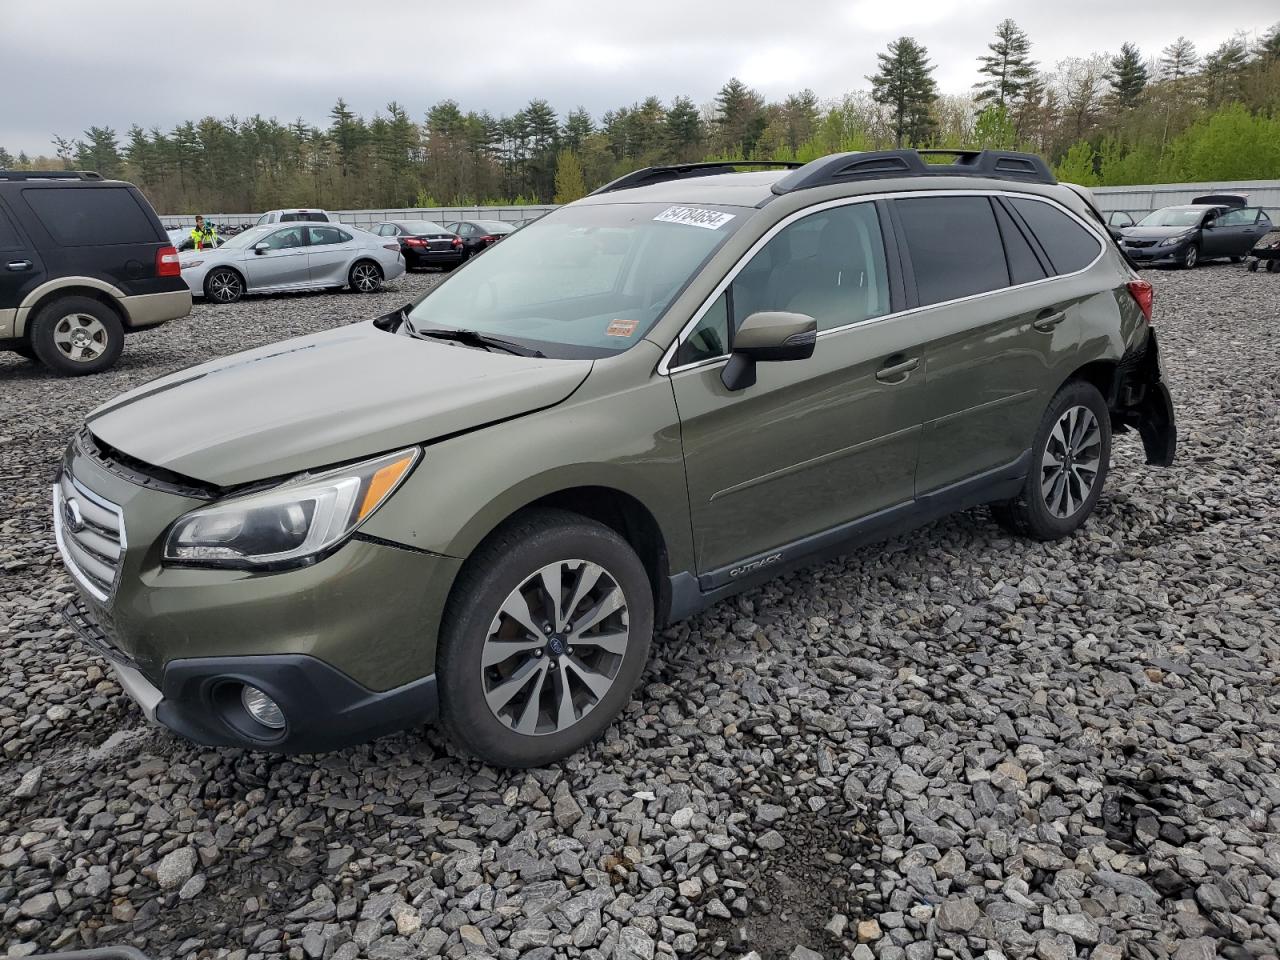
x,y
322,399
1154,233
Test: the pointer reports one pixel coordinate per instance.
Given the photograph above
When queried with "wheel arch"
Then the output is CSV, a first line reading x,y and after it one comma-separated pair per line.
x,y
621,512
47,293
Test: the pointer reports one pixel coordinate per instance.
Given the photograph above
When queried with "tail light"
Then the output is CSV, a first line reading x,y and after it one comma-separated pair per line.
x,y
490,239
414,242
167,264
457,241
391,246
1144,295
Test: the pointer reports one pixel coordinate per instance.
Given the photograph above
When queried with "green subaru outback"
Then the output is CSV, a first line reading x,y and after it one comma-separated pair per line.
x,y
478,508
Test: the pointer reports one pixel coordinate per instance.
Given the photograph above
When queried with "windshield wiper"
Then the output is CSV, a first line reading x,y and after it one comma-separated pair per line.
x,y
474,338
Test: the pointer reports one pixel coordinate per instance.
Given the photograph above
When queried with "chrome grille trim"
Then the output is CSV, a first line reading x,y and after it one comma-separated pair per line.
x,y
93,553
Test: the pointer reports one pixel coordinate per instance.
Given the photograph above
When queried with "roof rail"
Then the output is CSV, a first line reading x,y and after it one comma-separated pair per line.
x,y
880,164
49,175
681,171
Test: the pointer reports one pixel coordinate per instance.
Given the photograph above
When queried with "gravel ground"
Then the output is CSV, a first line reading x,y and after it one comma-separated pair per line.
x,y
950,744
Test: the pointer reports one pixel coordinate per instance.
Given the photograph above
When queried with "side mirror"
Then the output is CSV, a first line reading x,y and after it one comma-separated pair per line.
x,y
261,248
768,336
1210,224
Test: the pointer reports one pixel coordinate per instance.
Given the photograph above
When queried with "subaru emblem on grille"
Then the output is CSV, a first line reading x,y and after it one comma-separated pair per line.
x,y
71,515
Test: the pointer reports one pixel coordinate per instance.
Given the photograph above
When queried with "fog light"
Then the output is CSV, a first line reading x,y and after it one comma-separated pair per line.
x,y
262,708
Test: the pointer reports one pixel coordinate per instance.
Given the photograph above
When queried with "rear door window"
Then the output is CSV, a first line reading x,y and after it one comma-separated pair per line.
x,y
9,239
91,216
954,245
320,236
1070,247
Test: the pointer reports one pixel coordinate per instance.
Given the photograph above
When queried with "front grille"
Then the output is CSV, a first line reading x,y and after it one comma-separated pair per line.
x,y
90,535
1141,243
92,635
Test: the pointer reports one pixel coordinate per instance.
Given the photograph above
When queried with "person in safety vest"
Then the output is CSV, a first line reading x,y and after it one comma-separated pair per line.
x,y
203,237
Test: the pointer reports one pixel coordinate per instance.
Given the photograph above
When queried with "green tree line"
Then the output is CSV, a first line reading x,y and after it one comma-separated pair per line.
x,y
1103,119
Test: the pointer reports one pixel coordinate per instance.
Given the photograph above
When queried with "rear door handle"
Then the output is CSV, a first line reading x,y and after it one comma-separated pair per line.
x,y
1048,320
897,372
17,266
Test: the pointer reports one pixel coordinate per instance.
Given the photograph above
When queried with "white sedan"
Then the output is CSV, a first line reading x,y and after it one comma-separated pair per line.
x,y
293,256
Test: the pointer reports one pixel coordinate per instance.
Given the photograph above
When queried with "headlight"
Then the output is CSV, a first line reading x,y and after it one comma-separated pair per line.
x,y
291,524
1174,241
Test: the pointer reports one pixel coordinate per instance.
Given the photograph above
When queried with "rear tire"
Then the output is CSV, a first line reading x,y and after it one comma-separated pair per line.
x,y
75,336
1252,266
365,276
513,690
1069,460
1273,265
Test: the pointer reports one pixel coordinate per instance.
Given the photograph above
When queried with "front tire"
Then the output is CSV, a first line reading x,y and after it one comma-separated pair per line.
x,y
75,336
224,285
1070,457
365,277
1190,257
544,639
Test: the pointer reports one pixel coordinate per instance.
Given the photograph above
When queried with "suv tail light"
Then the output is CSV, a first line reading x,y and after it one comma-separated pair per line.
x,y
167,264
1144,295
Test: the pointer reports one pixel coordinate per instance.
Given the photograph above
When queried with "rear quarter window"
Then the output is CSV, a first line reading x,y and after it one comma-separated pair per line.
x,y
1069,246
91,216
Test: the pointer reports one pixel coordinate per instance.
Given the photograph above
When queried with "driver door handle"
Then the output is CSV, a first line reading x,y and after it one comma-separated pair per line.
x,y
1047,320
897,369
17,266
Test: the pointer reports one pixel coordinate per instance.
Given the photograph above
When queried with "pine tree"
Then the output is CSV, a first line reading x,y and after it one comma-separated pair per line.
x,y
684,130
904,83
569,182
1269,46
1128,76
101,153
739,118
1178,59
1223,70
64,149
577,127
1008,67
800,114
6,159
348,133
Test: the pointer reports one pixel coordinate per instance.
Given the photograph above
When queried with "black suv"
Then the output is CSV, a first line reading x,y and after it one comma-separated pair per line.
x,y
83,261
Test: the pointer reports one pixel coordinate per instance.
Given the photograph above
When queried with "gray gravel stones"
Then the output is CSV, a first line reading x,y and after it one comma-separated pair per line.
x,y
959,742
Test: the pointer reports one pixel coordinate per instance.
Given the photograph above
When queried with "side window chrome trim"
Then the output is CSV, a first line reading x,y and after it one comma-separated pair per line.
x,y
666,368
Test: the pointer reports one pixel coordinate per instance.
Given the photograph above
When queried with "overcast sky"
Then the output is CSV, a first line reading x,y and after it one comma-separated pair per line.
x,y
69,64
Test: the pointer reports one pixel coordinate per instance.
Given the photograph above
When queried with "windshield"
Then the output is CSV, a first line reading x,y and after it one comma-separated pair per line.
x,y
420,226
584,281
248,238
1173,217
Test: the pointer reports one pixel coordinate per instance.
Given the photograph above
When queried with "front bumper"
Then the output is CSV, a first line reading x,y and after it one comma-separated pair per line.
x,y
348,643
324,709
1152,256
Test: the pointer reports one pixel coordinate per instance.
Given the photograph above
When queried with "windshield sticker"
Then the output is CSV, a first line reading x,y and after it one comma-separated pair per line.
x,y
695,217
622,328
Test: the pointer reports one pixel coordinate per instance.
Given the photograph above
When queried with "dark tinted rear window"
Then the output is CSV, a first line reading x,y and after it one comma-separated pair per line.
x,y
955,247
308,217
1023,265
91,216
1070,246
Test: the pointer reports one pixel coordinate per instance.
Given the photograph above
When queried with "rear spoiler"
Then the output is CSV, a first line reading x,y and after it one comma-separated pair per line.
x,y
1224,199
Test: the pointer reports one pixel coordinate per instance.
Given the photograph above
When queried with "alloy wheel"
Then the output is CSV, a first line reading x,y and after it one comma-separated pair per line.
x,y
80,337
1071,460
554,649
225,287
1191,257
365,277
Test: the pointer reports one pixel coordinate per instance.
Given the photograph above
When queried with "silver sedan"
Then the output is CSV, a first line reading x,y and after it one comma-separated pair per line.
x,y
294,256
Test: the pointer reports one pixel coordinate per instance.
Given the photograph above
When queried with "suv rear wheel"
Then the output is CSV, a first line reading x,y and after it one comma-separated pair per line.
x,y
545,637
77,335
1070,456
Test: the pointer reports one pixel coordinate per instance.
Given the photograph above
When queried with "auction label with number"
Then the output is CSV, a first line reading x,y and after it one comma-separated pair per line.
x,y
695,217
